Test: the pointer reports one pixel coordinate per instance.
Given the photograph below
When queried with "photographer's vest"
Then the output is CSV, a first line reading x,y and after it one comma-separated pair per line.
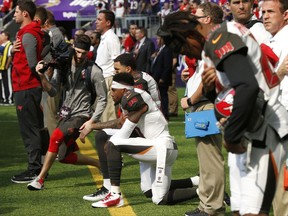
x,y
4,56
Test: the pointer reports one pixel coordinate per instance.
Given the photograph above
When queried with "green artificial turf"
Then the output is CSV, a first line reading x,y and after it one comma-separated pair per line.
x,y
66,184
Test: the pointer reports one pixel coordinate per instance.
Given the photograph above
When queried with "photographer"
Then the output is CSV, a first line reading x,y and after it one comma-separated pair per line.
x,y
76,108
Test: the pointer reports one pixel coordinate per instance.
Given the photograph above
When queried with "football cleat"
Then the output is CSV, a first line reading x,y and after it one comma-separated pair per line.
x,y
111,200
100,194
36,184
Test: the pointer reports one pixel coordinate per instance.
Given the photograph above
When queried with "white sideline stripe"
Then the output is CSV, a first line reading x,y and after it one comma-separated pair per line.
x,y
87,149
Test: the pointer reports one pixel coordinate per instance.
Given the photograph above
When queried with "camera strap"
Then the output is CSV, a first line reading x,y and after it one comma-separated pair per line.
x,y
77,73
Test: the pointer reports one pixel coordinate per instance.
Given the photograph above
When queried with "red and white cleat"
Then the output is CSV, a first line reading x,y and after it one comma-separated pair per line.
x,y
111,200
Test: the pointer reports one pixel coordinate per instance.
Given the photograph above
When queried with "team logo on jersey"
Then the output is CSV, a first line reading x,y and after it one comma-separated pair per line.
x,y
224,103
228,47
214,41
140,86
132,101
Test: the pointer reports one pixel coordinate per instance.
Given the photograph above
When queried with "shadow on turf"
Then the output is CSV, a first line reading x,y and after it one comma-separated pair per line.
x,y
6,210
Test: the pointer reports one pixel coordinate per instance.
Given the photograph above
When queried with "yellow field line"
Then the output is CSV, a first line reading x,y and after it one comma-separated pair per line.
x,y
88,149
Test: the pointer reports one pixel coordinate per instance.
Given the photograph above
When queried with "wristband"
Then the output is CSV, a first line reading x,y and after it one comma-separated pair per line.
x,y
189,102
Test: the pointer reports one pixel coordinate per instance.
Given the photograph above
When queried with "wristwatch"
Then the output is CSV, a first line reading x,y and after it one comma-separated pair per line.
x,y
189,102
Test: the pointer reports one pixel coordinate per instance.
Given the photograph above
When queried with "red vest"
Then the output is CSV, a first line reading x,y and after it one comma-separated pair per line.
x,y
22,76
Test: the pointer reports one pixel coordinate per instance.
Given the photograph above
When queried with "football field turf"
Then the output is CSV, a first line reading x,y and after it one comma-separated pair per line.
x,y
66,184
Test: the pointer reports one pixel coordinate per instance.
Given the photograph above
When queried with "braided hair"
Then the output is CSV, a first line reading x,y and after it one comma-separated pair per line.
x,y
177,27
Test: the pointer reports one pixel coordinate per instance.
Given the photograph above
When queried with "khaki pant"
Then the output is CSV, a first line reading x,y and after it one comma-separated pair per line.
x,y
50,109
212,171
280,202
110,111
173,96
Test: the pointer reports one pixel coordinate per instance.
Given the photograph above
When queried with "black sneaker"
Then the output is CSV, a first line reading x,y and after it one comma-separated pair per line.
x,y
24,177
100,194
196,212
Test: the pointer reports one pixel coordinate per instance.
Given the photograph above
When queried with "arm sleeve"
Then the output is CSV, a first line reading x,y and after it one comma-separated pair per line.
x,y
239,71
114,47
101,92
30,46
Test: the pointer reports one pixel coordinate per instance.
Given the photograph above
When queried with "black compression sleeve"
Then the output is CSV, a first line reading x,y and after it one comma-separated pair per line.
x,y
239,70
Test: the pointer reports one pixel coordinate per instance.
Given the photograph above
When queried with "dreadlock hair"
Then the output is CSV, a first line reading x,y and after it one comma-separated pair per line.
x,y
177,27
124,78
126,59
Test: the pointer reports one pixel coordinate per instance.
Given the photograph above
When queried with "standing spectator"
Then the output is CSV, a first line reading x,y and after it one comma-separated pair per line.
x,y
275,19
27,86
126,5
6,7
130,40
194,5
241,12
172,90
164,11
134,7
95,41
256,135
75,110
63,31
107,51
227,11
143,50
119,9
5,68
161,71
79,32
155,6
1,88
51,104
211,189
185,6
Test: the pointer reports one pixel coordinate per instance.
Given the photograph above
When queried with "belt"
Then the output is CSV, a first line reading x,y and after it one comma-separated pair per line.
x,y
198,104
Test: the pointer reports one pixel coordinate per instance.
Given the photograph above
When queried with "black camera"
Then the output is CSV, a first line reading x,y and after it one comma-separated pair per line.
x,y
61,57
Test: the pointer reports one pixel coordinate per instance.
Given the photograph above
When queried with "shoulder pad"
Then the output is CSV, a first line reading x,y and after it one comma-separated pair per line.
x,y
140,82
132,101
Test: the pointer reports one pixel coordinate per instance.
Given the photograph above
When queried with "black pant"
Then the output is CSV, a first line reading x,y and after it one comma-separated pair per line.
x,y
7,85
164,100
30,119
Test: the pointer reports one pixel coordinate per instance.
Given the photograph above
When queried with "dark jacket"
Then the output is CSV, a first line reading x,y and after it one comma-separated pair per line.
x,y
143,59
162,67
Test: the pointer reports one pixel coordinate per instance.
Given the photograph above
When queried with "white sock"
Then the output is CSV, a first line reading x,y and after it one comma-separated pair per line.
x,y
195,180
107,184
115,190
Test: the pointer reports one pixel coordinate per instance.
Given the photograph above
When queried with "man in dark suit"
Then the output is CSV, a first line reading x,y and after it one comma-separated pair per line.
x,y
161,71
143,50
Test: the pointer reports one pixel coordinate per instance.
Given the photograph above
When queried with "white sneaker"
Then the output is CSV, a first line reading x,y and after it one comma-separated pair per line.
x,y
36,184
100,194
109,201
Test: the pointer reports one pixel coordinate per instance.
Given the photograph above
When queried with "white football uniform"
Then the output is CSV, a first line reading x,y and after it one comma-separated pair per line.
x,y
279,45
251,188
157,150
